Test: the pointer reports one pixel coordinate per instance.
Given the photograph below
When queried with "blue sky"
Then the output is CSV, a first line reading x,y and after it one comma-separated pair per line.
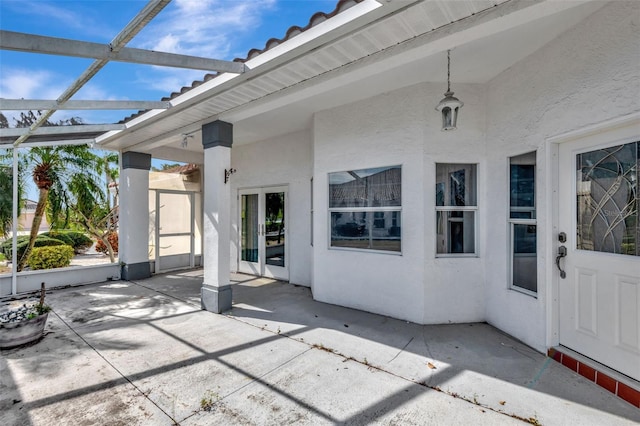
x,y
220,29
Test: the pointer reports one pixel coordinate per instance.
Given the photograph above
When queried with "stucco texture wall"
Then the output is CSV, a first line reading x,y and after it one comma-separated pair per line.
x,y
588,75
381,131
282,161
397,128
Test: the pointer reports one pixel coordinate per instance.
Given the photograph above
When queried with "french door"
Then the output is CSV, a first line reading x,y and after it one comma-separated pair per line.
x,y
599,290
174,242
263,232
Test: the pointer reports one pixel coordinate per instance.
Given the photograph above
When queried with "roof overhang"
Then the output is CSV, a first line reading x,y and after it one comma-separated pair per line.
x,y
349,57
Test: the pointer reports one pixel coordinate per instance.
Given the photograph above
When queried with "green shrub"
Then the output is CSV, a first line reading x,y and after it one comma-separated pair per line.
x,y
5,247
59,235
23,242
77,240
50,257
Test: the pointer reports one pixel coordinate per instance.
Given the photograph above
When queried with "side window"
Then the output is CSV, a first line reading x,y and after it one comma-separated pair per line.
x,y
522,222
365,207
456,208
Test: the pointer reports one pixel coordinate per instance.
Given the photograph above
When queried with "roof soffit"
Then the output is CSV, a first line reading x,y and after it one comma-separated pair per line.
x,y
438,24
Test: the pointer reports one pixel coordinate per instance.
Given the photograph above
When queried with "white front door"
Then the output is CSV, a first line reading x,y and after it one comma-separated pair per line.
x,y
263,234
599,298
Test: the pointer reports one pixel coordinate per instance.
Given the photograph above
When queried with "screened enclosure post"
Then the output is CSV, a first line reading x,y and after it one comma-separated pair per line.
x,y
14,225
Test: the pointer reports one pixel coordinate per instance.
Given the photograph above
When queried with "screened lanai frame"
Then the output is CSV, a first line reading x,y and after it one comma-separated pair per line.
x,y
39,135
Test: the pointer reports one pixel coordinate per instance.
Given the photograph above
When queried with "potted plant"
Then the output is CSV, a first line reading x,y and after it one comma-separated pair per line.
x,y
23,324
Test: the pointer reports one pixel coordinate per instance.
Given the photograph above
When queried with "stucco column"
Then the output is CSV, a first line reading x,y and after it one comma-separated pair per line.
x,y
133,238
217,138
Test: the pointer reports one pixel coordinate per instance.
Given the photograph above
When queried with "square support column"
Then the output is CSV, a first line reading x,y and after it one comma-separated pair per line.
x,y
217,138
133,238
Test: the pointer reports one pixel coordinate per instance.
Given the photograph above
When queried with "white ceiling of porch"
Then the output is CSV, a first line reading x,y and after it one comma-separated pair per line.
x,y
398,50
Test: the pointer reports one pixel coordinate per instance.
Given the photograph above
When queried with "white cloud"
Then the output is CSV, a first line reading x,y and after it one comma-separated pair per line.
x,y
18,83
202,28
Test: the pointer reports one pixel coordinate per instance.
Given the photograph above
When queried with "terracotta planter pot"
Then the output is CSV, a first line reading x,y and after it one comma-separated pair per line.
x,y
18,333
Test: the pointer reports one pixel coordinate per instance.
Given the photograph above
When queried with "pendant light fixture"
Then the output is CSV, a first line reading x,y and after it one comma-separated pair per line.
x,y
450,105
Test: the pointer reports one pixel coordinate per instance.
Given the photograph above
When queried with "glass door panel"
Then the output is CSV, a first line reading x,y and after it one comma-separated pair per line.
x,y
250,234
274,229
263,235
174,248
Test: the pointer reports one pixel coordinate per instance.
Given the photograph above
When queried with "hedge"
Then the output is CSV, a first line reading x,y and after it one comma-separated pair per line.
x,y
50,257
77,240
23,242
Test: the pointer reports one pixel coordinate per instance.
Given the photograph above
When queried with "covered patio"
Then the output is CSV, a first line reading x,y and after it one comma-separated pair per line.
x,y
143,352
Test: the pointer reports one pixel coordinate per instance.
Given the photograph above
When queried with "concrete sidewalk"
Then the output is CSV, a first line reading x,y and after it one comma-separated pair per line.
x,y
124,353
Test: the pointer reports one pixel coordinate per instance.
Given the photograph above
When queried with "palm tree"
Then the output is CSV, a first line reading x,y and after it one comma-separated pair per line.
x,y
67,177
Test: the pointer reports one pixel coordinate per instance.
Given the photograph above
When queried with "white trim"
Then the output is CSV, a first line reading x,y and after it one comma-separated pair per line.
x,y
627,128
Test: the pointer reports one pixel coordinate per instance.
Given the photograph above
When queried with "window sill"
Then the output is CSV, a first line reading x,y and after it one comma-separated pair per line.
x,y
457,255
524,291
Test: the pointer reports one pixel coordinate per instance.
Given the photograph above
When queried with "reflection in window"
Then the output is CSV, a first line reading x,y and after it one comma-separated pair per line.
x,y
522,222
365,209
607,200
456,206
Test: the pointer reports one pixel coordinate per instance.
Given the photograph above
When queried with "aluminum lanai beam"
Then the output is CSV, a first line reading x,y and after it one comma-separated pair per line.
x,y
89,141
41,104
10,40
128,32
58,130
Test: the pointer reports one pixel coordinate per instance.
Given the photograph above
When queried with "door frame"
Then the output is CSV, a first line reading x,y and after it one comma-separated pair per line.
x,y
261,268
609,132
158,234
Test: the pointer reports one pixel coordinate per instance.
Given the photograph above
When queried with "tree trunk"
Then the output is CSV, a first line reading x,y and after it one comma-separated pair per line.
x,y
35,227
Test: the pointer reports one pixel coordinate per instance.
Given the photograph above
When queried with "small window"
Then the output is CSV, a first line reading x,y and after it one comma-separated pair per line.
x,y
522,222
364,209
456,207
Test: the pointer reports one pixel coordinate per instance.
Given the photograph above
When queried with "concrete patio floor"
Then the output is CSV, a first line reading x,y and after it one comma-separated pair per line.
x,y
126,353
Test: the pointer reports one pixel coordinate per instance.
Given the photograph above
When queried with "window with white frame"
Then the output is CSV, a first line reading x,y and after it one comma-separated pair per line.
x,y
364,209
522,223
456,208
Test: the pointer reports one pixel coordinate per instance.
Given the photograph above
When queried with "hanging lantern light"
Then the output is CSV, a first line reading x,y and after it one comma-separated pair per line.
x,y
450,105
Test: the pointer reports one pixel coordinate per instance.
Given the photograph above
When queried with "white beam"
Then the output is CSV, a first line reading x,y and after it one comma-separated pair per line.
x,y
128,32
42,104
90,142
10,40
58,130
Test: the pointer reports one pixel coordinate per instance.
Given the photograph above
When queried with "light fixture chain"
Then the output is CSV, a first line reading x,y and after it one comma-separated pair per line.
x,y
448,70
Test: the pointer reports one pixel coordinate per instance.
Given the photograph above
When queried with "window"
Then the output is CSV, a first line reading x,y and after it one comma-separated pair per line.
x,y
522,222
607,200
456,207
364,209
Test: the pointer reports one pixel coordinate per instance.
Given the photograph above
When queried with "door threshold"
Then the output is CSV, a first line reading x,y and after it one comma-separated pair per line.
x,y
617,383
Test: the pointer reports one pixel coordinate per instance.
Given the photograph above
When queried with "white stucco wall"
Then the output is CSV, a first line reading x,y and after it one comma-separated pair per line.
x,y
134,216
588,75
282,161
398,128
454,286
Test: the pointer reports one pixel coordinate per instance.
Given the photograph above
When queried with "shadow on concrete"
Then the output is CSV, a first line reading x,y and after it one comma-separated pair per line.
x,y
432,358
10,398
459,348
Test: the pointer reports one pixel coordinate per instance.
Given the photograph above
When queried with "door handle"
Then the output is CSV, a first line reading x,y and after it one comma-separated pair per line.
x,y
562,252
